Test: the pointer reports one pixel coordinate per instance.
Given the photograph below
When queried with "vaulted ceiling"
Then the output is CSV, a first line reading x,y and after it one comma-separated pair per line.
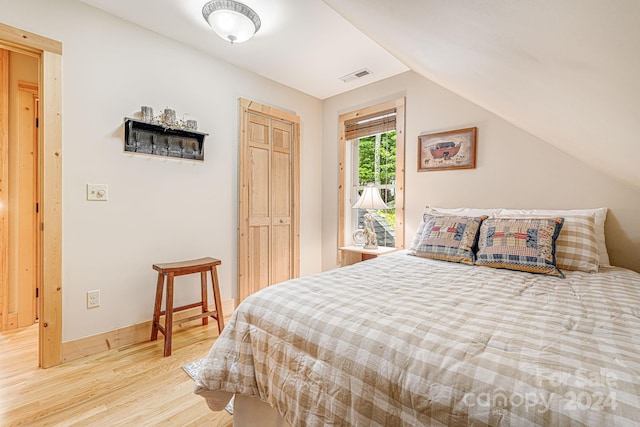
x,y
565,71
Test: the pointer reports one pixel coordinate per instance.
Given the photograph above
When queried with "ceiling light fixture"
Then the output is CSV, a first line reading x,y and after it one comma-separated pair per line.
x,y
232,21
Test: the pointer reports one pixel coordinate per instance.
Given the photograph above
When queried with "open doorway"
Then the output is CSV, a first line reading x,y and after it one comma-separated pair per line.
x,y
43,102
20,95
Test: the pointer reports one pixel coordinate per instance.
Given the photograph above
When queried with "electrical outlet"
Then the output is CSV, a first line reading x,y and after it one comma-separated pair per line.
x,y
93,299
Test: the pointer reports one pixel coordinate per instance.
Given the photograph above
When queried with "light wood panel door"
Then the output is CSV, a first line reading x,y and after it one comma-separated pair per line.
x,y
4,189
23,254
258,255
269,194
281,201
19,189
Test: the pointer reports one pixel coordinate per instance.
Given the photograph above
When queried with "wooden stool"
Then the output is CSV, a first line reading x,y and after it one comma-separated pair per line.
x,y
171,270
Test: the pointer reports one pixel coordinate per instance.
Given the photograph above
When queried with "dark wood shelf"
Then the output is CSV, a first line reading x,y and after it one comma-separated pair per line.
x,y
161,140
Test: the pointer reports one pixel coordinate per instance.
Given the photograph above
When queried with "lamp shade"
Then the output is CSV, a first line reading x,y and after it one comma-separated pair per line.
x,y
370,199
231,20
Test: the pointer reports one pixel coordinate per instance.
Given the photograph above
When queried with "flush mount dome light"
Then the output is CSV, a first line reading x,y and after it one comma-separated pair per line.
x,y
232,21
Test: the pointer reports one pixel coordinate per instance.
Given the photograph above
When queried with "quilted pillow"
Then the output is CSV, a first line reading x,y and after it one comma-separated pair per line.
x,y
600,218
577,245
428,210
449,238
523,244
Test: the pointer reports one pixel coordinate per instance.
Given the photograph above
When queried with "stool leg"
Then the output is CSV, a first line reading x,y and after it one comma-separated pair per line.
x,y
168,318
216,297
203,291
157,307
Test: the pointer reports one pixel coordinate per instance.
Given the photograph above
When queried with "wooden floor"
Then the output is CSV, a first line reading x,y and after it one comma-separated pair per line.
x,y
132,386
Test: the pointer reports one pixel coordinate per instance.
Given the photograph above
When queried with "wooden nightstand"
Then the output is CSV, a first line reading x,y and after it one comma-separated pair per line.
x,y
353,254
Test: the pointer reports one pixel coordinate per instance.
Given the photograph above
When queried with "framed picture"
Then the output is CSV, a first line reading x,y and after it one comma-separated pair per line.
x,y
455,149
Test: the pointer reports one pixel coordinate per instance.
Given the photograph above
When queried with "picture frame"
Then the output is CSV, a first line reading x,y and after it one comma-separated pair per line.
x,y
454,149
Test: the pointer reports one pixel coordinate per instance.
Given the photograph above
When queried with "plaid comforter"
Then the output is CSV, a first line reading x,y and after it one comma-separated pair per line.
x,y
407,341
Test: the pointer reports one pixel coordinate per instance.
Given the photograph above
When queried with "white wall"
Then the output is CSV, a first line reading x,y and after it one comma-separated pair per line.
x,y
514,169
159,209
164,210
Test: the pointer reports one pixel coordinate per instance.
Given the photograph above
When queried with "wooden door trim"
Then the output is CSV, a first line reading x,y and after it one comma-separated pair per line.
x,y
247,106
24,40
50,177
243,197
51,198
296,198
4,182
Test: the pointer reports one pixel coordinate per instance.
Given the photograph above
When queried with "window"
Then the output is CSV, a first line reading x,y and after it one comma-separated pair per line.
x,y
372,151
374,161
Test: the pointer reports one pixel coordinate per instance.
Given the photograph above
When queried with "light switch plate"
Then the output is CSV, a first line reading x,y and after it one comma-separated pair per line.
x,y
99,192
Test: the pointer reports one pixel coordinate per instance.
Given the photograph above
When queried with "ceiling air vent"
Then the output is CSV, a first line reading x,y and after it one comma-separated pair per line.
x,y
356,75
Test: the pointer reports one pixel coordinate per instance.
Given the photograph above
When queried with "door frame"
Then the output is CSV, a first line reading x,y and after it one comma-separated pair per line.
x,y
49,53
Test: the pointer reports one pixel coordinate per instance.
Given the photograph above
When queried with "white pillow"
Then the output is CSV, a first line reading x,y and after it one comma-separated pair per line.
x,y
600,217
447,211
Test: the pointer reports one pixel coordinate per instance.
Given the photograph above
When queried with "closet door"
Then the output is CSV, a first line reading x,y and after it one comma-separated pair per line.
x,y
258,171
269,193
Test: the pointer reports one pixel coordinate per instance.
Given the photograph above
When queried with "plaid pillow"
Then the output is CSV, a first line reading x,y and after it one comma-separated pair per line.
x,y
449,238
523,244
576,247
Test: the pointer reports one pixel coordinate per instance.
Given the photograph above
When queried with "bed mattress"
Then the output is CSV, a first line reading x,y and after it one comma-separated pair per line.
x,y
405,341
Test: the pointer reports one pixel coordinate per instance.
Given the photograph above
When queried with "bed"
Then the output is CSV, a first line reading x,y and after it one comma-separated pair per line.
x,y
404,340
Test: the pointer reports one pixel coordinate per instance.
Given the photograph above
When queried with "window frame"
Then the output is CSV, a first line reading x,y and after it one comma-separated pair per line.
x,y
346,171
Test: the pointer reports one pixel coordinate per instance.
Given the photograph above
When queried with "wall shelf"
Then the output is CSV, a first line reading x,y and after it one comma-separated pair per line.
x,y
161,140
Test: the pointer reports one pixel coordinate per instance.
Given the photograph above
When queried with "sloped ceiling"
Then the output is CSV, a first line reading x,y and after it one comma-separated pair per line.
x,y
566,71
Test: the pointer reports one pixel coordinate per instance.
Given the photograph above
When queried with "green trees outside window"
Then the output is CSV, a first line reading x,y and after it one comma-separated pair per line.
x,y
377,164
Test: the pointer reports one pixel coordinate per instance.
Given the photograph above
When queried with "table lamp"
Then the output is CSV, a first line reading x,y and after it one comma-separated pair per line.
x,y
370,200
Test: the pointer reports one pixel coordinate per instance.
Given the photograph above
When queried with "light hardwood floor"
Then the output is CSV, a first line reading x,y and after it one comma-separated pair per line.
x,y
132,386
